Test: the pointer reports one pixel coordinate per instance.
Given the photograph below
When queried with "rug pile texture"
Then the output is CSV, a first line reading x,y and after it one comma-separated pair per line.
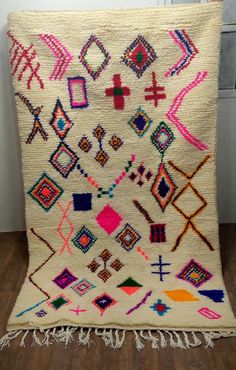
x,y
117,121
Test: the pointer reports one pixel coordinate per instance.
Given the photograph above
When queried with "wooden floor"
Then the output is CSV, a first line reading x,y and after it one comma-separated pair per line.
x,y
13,261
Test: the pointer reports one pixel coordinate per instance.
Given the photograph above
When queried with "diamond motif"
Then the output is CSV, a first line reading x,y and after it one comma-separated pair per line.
x,y
129,286
63,159
105,255
60,120
93,266
84,239
85,144
104,275
162,137
128,237
102,157
115,142
108,219
160,308
194,274
94,56
99,132
139,55
103,302
59,302
82,287
191,202
140,122
163,187
45,192
117,265
64,279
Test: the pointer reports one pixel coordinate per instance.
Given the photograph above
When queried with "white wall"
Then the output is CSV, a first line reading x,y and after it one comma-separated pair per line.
x,y
11,193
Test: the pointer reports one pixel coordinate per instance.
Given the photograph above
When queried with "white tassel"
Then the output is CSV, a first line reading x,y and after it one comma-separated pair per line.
x,y
179,343
119,341
197,341
6,339
139,344
154,340
172,342
36,340
84,338
208,339
186,340
163,341
22,342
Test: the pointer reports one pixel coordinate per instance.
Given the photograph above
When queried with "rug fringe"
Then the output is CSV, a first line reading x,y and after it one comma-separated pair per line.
x,y
115,338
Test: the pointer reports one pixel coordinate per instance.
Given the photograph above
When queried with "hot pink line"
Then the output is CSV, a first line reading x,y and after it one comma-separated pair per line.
x,y
60,52
171,114
65,217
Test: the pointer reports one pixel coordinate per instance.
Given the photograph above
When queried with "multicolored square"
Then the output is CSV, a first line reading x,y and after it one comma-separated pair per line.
x,y
128,237
64,279
160,308
139,55
45,192
194,274
63,159
103,302
140,122
162,137
82,287
58,302
60,120
84,239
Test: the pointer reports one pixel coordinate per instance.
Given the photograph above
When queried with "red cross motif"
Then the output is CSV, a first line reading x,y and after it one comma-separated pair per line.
x,y
77,311
118,92
155,89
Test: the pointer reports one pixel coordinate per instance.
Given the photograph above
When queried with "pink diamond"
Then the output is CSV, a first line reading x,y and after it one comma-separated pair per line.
x,y
108,219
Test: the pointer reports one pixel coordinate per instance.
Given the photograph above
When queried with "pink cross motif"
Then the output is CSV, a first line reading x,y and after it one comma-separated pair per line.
x,y
77,311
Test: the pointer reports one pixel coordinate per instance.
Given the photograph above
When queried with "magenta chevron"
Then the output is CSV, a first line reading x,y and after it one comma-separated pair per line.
x,y
171,114
61,53
188,49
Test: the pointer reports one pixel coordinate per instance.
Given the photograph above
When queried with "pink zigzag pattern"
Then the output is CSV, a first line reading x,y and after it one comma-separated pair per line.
x,y
61,54
171,114
188,49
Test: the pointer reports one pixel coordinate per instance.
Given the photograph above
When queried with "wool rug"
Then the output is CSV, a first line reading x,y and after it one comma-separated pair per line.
x,y
117,122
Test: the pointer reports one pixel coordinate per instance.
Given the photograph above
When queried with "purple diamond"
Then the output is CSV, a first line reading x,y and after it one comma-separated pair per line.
x,y
64,279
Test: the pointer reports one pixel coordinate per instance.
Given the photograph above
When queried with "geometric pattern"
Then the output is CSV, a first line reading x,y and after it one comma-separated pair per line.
x,y
82,287
118,92
190,195
157,233
63,159
60,120
65,228
129,286
64,279
140,175
139,55
59,302
77,92
84,144
180,295
45,192
162,137
115,142
140,122
187,48
103,302
82,202
128,237
94,56
209,314
105,273
108,219
156,91
84,239
160,308
61,54
163,187
215,295
194,274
